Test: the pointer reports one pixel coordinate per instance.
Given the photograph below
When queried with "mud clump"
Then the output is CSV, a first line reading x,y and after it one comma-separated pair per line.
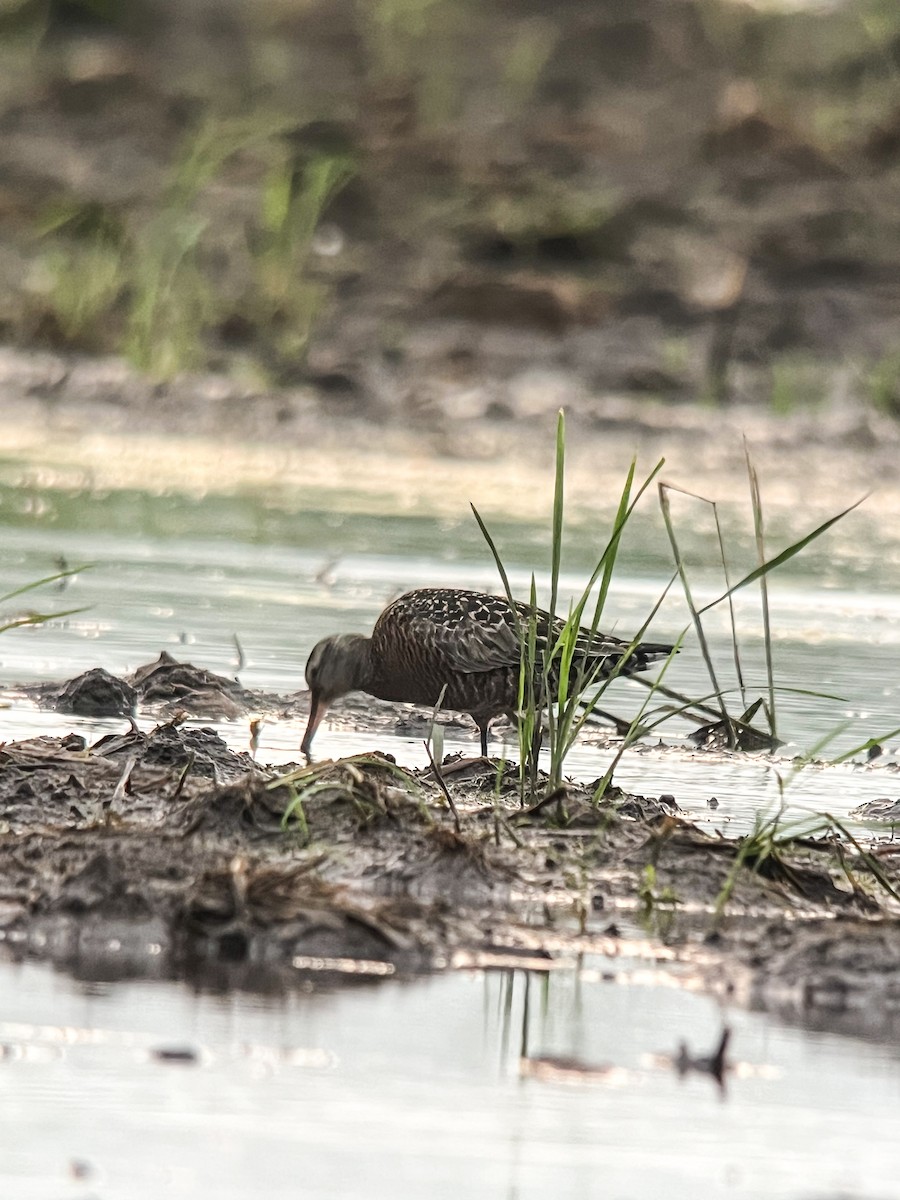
x,y
163,686
171,683
165,853
96,693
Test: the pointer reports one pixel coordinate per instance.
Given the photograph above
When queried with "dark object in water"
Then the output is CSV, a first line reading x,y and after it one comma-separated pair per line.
x,y
715,1064
175,1054
457,648
96,693
735,734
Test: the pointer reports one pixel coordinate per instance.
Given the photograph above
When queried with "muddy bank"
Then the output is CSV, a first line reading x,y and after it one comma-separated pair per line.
x,y
165,853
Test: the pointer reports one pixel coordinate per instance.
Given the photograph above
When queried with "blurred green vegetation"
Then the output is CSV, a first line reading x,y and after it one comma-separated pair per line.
x,y
148,284
885,384
202,185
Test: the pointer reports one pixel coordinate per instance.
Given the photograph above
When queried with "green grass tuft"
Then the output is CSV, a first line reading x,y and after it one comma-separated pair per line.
x,y
577,693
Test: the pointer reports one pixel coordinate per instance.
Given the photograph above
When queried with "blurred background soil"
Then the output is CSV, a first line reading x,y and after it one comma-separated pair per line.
x,y
428,212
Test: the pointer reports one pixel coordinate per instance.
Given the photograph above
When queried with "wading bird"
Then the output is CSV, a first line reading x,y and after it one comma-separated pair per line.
x,y
460,643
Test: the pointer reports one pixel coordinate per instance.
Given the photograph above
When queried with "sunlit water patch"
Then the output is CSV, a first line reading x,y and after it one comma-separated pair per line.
x,y
419,1089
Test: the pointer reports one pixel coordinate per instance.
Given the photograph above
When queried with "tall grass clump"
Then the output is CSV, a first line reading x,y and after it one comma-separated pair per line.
x,y
557,685
765,850
558,688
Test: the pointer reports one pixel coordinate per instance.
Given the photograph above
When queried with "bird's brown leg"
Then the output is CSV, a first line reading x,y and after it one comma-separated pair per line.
x,y
483,730
537,740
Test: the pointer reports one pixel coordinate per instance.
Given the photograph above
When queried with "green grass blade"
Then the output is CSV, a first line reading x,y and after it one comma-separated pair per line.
x,y
665,505
622,519
549,652
735,648
30,587
867,745
535,699
798,691
759,534
38,619
485,532
558,506
785,555
623,512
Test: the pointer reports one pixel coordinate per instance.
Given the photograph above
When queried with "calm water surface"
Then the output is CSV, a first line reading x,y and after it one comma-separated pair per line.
x,y
415,1089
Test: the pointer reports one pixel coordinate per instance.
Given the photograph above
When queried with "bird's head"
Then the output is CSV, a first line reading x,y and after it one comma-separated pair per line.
x,y
336,666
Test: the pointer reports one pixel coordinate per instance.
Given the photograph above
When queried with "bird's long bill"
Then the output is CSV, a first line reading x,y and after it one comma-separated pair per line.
x,y
318,706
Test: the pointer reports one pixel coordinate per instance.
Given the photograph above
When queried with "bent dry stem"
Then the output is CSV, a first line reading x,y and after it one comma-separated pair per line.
x,y
759,574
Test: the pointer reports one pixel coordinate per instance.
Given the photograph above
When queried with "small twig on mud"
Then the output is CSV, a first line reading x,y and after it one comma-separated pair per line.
x,y
500,822
443,786
183,777
122,786
256,725
558,794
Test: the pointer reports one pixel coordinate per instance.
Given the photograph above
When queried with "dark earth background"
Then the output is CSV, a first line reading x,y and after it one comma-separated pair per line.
x,y
400,202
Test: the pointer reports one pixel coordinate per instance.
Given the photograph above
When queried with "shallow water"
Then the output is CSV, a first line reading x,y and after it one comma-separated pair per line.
x,y
190,575
415,1089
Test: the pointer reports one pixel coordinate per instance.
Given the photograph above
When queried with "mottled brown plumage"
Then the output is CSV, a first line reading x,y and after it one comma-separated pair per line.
x,y
466,642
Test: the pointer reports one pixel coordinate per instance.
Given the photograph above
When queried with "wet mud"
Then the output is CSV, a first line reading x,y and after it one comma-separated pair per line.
x,y
165,853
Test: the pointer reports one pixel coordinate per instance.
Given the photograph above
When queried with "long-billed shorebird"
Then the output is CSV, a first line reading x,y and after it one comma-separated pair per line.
x,y
458,644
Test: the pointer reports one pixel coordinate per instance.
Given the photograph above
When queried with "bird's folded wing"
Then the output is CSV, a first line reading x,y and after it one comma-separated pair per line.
x,y
471,646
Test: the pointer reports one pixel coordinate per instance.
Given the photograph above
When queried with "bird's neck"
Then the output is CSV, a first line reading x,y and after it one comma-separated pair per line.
x,y
373,674
364,667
